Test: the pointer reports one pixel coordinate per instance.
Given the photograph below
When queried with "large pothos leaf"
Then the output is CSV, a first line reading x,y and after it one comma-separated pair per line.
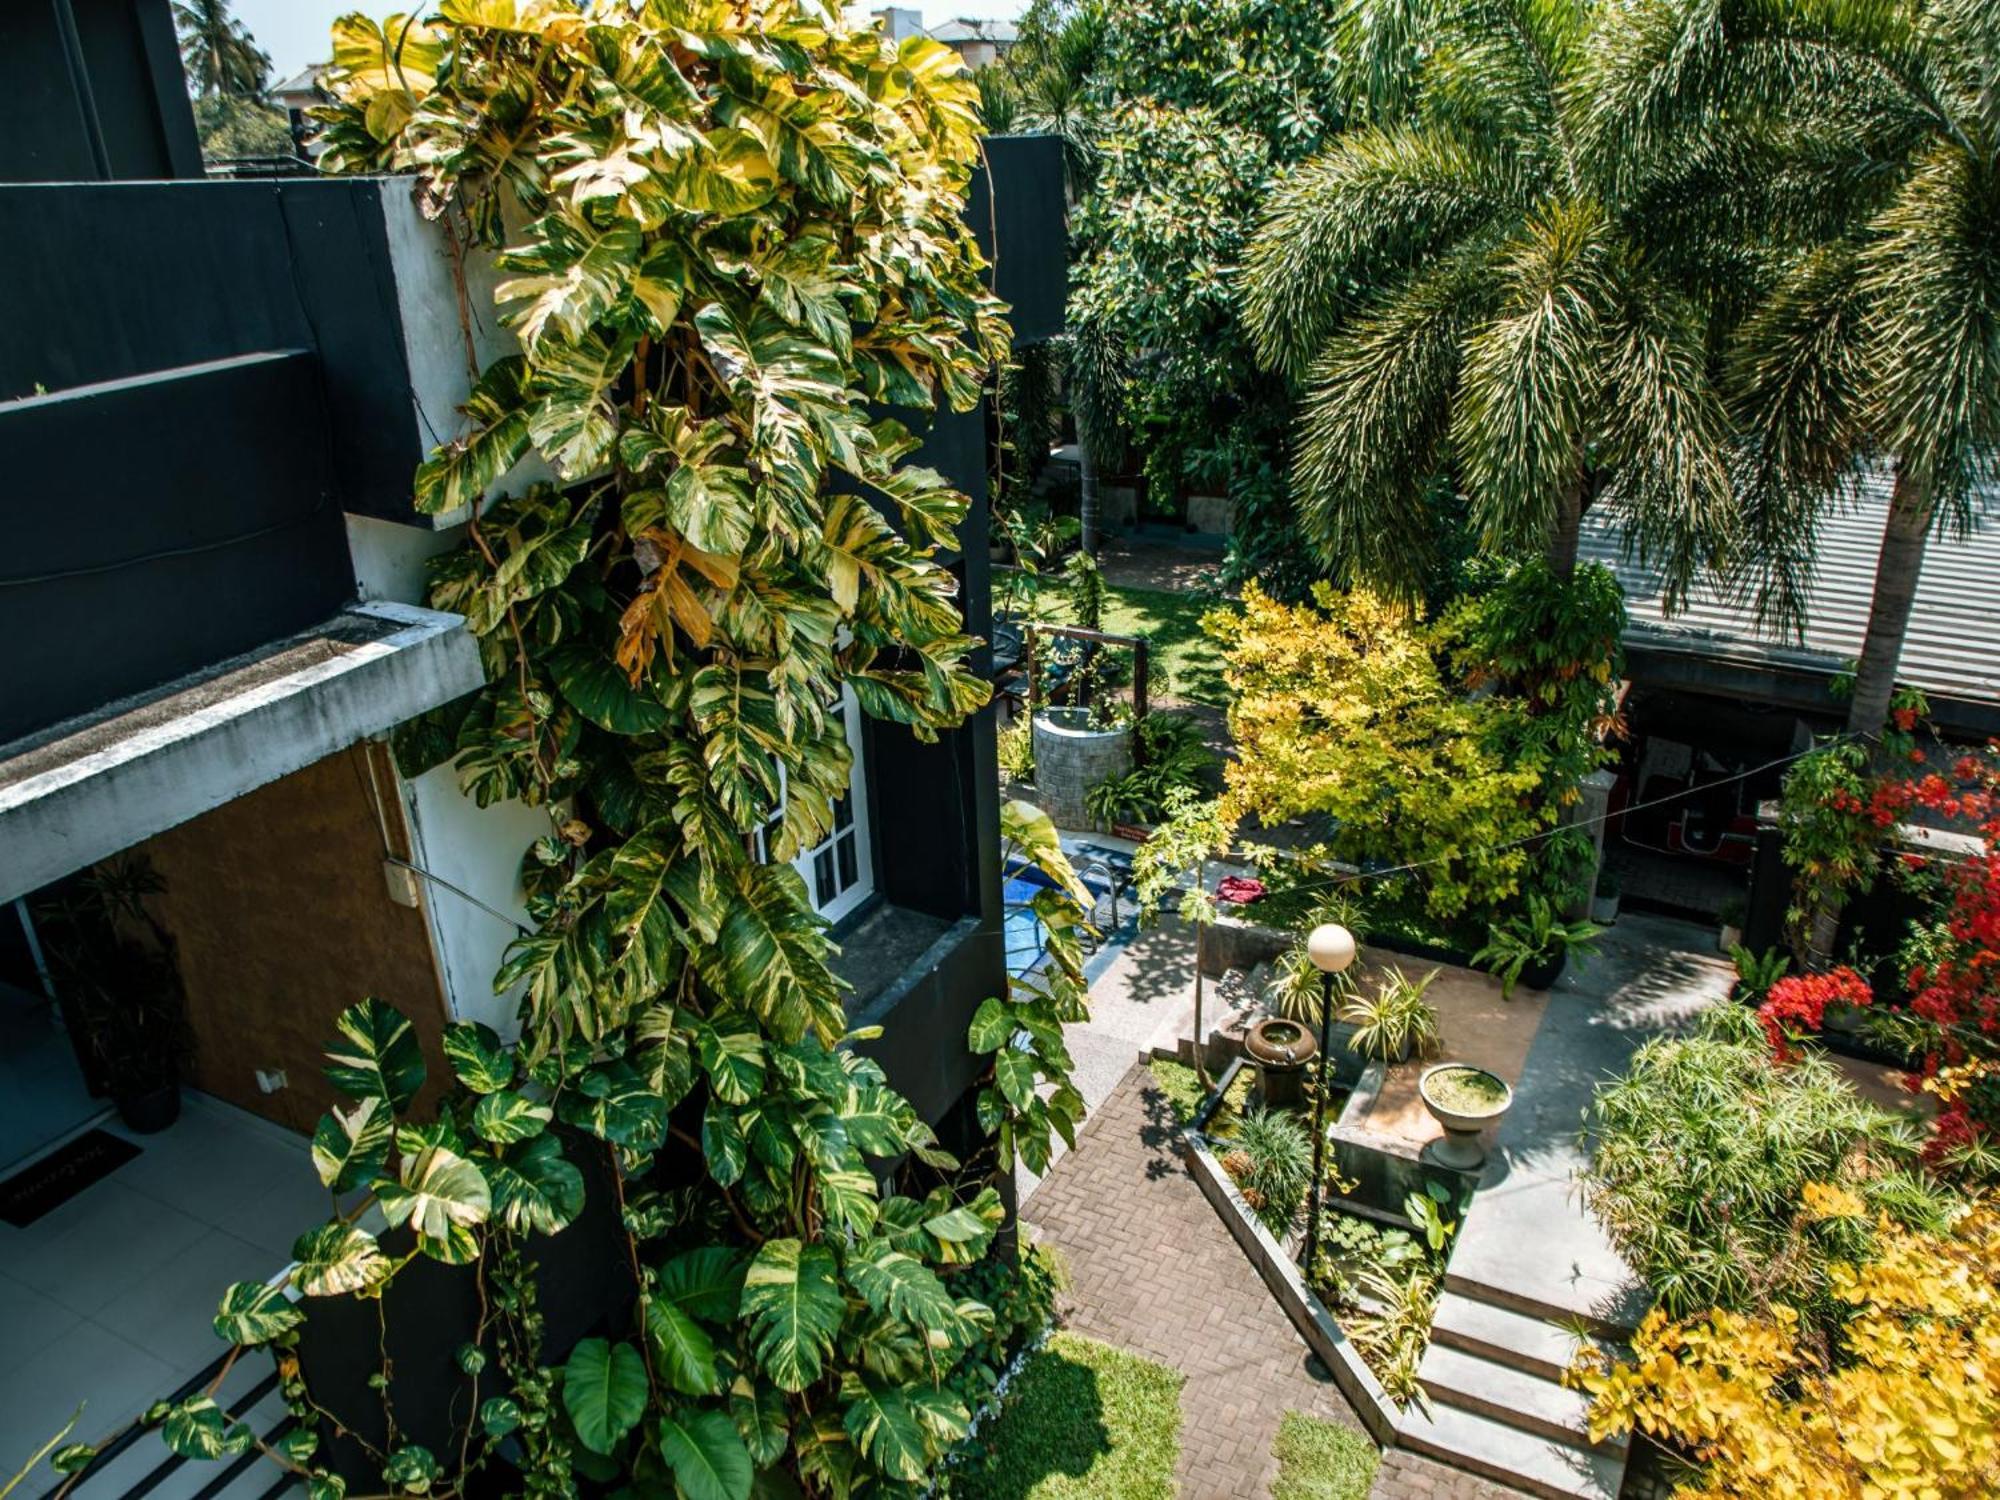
x,y
759,1412
770,956
198,1428
900,1428
891,1282
792,1298
460,473
439,1194
478,1057
508,1116
705,1283
683,1353
351,1146
377,1056
535,1188
254,1312
706,1455
614,1102
604,1392
337,1259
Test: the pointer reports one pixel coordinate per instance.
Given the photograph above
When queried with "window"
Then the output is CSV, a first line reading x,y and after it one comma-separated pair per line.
x,y
838,872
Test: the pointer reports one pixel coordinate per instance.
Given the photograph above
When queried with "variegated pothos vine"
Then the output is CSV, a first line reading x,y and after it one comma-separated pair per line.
x,y
728,239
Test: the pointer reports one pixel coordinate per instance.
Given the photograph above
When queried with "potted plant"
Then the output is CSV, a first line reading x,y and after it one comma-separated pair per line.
x,y
1604,901
1281,1050
1395,1022
1532,948
1732,925
115,971
1464,1100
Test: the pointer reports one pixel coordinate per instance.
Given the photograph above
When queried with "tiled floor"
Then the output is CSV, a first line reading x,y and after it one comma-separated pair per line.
x,y
105,1301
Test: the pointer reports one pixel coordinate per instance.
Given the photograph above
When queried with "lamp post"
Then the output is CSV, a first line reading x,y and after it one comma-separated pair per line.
x,y
1331,949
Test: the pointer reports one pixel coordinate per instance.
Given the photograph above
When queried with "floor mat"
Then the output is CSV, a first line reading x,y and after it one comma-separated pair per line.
x,y
61,1175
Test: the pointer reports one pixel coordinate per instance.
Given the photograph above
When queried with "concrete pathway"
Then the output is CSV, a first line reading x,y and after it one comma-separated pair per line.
x,y
1527,1235
1153,1270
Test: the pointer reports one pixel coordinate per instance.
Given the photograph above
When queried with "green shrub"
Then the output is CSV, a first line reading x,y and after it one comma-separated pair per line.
x,y
1277,1167
1322,1460
1396,1020
1699,1155
1081,1421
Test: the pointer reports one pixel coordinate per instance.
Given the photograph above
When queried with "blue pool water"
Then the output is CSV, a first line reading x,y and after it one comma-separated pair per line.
x,y
1022,927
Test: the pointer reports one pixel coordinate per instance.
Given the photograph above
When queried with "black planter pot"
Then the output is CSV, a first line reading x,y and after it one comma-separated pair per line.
x,y
1539,976
149,1110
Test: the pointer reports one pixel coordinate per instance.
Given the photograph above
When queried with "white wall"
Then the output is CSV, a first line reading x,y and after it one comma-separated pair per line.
x,y
478,850
388,557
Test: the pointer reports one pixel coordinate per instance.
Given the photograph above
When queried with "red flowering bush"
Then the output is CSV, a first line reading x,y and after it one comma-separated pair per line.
x,y
1795,1006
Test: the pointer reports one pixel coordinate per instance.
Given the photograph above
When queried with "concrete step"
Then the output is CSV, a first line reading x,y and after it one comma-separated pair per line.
x,y
1605,1311
1533,1403
1528,1343
1540,1465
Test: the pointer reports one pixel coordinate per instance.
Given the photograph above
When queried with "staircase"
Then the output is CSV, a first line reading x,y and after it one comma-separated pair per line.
x,y
1493,1373
139,1464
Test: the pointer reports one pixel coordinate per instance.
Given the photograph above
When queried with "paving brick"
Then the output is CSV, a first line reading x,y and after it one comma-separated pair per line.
x,y
1409,1476
1153,1270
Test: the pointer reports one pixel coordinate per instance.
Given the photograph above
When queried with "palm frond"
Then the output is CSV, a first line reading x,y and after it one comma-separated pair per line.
x,y
1376,205
1374,425
1527,397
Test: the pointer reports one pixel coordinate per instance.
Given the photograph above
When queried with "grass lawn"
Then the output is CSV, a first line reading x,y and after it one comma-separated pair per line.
x,y
1192,663
1184,1094
1082,1421
1322,1460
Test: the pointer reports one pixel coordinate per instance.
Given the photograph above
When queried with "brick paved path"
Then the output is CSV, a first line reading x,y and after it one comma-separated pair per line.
x,y
1153,1270
1411,1476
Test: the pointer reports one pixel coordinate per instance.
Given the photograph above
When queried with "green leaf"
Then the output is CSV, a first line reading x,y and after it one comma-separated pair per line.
x,y
351,1147
598,689
253,1312
507,1117
337,1259
440,1195
604,1392
897,1284
991,1027
878,1121
378,1056
499,1415
198,1428
733,177
535,1188
461,472
722,1144
1014,1072
886,1430
704,1283
791,1295
614,1103
412,1468
477,1057
735,1063
760,1416
707,1456
686,1353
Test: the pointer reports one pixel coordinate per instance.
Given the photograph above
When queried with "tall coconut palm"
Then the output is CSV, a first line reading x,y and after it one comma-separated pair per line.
x,y
1468,294
1871,159
220,56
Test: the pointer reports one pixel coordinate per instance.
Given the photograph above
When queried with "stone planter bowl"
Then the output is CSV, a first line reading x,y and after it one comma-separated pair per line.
x,y
1071,757
1461,1148
1281,1049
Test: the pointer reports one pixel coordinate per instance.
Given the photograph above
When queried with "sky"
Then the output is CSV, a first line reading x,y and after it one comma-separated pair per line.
x,y
294,32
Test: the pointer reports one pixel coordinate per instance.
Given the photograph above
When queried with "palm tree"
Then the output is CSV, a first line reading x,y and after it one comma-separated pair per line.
x,y
1468,293
1863,140
1870,164
220,56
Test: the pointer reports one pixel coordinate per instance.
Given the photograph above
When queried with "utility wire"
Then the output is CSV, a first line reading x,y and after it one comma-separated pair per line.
x,y
1360,876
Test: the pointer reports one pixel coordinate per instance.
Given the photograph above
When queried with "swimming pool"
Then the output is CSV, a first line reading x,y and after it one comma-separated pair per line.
x,y
1023,929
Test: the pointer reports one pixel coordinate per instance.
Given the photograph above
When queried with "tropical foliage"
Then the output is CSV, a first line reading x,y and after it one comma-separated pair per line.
x,y
219,55
1906,1401
1466,293
1701,1154
1351,707
729,244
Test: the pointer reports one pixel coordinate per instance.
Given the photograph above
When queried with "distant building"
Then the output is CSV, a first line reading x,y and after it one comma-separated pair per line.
x,y
899,23
980,43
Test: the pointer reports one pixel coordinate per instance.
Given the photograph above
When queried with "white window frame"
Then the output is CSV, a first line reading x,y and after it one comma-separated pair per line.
x,y
844,900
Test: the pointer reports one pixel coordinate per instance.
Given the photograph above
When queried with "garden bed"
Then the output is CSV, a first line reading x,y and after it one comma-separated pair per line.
x,y
1380,1271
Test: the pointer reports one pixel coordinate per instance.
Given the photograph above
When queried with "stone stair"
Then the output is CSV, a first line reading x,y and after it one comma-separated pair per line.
x,y
1499,1409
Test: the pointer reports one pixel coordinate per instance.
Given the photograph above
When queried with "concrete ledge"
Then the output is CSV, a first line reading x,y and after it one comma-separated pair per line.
x,y
1323,1336
84,790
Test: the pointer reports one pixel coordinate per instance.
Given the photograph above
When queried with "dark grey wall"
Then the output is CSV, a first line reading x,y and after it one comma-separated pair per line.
x,y
157,525
1022,183
93,90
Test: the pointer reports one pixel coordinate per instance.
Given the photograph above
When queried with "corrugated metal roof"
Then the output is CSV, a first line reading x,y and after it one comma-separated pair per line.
x,y
1953,647
975,29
